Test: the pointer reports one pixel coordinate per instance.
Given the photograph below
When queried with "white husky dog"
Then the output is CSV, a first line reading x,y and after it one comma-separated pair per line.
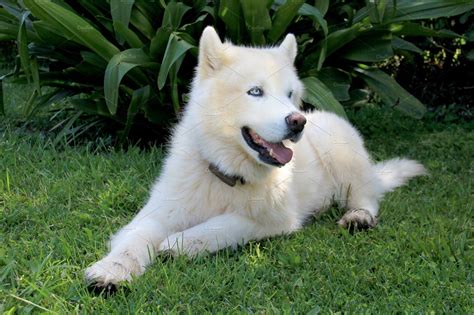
x,y
240,167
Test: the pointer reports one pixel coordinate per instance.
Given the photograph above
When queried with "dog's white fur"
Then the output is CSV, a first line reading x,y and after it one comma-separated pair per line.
x,y
191,210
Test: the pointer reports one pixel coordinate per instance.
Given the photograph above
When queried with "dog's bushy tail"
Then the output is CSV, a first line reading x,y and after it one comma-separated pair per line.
x,y
396,172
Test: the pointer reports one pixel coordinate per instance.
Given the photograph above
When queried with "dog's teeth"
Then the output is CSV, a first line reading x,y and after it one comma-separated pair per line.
x,y
271,152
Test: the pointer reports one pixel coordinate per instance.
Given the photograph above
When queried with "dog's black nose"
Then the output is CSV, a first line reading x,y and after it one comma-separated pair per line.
x,y
295,122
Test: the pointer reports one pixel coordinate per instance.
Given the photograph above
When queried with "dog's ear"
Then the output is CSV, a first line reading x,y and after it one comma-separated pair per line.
x,y
289,47
210,51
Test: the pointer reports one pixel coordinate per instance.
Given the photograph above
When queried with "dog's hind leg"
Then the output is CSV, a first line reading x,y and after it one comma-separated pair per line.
x,y
341,151
378,179
362,202
360,183
360,190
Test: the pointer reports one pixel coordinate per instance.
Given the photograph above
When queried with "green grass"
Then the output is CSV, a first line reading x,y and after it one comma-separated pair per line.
x,y
60,204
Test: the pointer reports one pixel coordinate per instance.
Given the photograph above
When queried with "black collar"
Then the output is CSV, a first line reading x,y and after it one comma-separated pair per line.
x,y
228,179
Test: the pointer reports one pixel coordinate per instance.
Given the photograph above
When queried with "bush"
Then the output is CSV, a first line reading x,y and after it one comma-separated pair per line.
x,y
130,61
438,76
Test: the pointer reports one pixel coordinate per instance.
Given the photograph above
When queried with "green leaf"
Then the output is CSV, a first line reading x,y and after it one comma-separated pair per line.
x,y
211,10
390,92
427,9
99,10
50,98
401,44
6,16
283,17
8,28
371,47
118,66
358,98
322,6
174,50
415,29
139,98
2,101
337,81
257,19
190,39
469,35
12,8
72,27
30,103
127,35
151,9
230,12
93,59
22,43
121,11
35,74
195,26
470,55
320,96
92,106
142,23
159,41
91,66
174,13
315,15
6,38
408,10
48,34
340,38
29,65
174,84
334,41
68,122
376,10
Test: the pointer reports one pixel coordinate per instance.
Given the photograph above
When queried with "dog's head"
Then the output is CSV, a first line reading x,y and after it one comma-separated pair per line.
x,y
249,98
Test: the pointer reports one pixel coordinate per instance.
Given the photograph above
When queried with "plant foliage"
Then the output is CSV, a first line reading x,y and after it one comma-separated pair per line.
x,y
123,59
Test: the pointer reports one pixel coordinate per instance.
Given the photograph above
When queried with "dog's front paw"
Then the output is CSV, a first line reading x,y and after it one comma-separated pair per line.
x,y
106,274
357,219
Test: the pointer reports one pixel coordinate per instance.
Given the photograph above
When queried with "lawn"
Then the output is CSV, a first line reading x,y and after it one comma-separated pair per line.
x,y
59,205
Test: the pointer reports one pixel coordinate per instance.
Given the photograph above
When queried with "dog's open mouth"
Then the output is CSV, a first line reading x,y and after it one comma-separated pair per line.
x,y
271,153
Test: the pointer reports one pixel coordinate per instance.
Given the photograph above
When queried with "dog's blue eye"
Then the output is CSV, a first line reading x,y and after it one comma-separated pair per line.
x,y
255,91
290,94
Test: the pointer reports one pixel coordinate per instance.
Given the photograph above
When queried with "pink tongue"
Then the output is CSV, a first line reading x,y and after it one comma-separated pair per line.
x,y
281,153
277,150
